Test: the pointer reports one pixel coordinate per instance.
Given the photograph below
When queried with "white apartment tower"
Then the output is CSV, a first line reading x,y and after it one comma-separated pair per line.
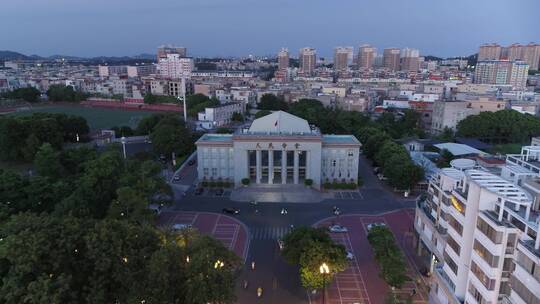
x,y
175,67
479,232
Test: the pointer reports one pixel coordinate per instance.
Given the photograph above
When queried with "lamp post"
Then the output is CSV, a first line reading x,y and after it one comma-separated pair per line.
x,y
325,270
123,140
184,97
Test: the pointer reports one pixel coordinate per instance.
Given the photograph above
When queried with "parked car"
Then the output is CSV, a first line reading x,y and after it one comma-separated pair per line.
x,y
350,255
337,229
373,225
177,178
191,162
199,191
381,177
219,192
178,227
233,211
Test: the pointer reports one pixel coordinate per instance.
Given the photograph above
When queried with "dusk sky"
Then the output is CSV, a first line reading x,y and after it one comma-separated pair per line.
x,y
261,27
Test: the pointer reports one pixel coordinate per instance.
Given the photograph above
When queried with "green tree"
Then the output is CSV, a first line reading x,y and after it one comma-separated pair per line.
x,y
58,92
388,256
310,248
374,143
237,117
272,102
262,113
171,136
147,124
130,205
47,162
29,94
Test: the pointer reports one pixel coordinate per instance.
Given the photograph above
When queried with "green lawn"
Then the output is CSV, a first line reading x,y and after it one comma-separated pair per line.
x,y
97,118
506,149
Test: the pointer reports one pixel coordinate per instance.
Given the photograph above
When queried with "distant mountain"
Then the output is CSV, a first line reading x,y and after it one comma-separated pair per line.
x,y
432,58
9,55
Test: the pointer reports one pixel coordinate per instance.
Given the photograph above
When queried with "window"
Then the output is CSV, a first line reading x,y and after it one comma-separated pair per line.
x,y
486,281
523,292
205,171
491,260
334,163
488,231
455,224
214,172
451,264
529,265
454,245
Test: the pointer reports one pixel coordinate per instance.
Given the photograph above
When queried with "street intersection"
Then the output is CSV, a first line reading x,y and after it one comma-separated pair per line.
x,y
253,235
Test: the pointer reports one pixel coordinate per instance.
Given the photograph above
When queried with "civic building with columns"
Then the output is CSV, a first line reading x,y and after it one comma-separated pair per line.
x,y
279,148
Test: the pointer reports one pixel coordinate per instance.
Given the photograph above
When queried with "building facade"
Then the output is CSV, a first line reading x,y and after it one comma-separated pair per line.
x,y
490,51
366,56
479,232
175,67
283,59
391,58
341,58
500,72
219,115
308,60
279,148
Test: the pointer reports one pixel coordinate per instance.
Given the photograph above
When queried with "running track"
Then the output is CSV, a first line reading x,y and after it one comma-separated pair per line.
x,y
231,232
360,282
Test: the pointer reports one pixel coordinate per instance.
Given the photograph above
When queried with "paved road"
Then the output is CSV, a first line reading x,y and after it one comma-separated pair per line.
x,y
279,280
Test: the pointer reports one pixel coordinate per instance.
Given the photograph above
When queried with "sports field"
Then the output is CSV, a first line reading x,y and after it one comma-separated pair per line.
x,y
97,118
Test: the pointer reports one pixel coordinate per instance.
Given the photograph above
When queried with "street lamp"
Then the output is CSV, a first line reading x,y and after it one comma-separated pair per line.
x,y
325,270
123,141
218,264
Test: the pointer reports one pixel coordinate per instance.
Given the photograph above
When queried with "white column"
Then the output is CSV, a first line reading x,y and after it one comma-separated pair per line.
x,y
295,170
283,166
270,166
259,169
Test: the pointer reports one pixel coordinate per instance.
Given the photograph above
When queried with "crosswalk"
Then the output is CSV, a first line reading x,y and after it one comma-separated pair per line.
x,y
269,233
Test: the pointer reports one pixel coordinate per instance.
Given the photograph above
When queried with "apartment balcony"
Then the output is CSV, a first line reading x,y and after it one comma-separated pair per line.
x,y
446,284
528,216
521,160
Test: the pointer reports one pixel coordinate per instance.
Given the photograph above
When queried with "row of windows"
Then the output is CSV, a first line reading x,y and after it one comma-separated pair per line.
x,y
523,291
455,224
491,260
494,235
482,277
454,245
529,265
451,264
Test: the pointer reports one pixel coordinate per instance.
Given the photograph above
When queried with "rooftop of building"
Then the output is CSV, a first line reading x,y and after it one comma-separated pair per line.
x,y
280,122
458,149
340,139
499,186
211,137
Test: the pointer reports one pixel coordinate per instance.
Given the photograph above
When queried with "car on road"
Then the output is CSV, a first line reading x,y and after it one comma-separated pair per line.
x,y
199,191
337,229
219,192
381,177
233,211
350,255
178,227
280,244
191,162
177,178
373,225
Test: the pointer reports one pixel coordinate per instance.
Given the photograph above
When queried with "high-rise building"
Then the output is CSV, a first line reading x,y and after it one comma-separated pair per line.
x,y
283,59
175,67
490,51
480,233
531,55
342,57
366,56
308,60
164,50
514,52
410,60
391,57
501,72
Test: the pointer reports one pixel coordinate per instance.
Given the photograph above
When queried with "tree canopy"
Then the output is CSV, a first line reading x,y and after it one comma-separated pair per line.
x,y
29,94
21,137
310,248
272,102
170,135
58,92
505,126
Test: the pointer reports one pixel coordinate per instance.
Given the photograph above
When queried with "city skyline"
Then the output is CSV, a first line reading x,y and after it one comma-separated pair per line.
x,y
142,26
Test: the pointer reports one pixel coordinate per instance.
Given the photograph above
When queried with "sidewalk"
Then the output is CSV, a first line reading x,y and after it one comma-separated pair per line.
x,y
278,194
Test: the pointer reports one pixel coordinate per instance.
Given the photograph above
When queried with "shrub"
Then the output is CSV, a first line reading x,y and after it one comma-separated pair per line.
x,y
219,184
245,181
212,184
204,183
308,182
